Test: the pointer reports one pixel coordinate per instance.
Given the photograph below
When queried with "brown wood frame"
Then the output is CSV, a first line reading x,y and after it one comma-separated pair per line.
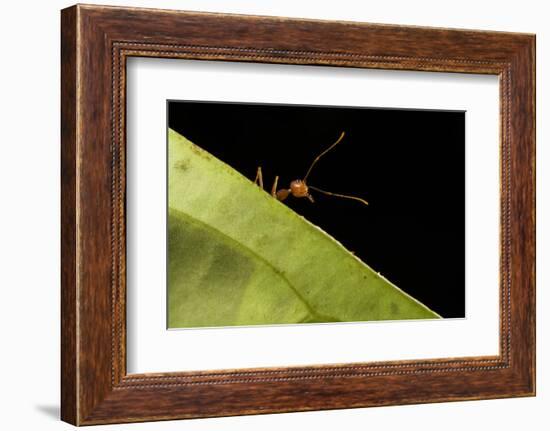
x,y
95,43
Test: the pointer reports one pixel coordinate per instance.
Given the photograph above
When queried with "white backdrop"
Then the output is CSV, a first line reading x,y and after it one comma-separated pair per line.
x,y
29,228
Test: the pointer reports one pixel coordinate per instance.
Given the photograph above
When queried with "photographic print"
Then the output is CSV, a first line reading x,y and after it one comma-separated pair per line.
x,y
295,214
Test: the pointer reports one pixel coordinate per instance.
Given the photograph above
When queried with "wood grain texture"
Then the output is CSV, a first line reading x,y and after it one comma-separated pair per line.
x,y
96,41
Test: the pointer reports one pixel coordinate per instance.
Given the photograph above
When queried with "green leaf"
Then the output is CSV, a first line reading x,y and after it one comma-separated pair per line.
x,y
237,256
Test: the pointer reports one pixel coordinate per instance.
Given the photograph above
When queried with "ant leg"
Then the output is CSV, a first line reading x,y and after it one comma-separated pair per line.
x,y
259,178
274,187
310,198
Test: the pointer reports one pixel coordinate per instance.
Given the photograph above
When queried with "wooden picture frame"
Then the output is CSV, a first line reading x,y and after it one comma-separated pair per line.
x,y
95,43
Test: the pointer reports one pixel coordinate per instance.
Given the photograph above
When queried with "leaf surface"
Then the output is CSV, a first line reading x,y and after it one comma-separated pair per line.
x,y
237,256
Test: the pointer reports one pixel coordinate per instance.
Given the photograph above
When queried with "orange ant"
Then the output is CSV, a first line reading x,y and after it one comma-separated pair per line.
x,y
300,188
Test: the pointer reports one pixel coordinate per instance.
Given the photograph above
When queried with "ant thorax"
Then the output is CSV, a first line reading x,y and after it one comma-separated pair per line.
x,y
299,189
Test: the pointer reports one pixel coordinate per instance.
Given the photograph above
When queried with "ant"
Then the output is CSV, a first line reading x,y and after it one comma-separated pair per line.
x,y
300,188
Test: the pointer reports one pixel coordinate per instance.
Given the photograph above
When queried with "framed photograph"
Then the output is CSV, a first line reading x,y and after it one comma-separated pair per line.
x,y
311,241
264,214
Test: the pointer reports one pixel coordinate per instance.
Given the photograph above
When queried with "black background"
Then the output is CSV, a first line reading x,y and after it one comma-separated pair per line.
x,y
408,164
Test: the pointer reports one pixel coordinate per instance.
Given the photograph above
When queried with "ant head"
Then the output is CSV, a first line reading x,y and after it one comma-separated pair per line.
x,y
299,189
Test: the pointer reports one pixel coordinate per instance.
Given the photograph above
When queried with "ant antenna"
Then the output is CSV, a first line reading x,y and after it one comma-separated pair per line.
x,y
339,195
322,154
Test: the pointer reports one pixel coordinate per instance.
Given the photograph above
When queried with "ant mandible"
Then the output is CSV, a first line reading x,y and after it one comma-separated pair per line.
x,y
300,188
